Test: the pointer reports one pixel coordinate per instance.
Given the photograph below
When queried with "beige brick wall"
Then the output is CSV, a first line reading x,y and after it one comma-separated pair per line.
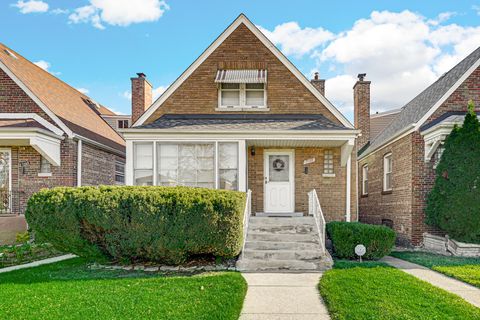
x,y
242,50
331,191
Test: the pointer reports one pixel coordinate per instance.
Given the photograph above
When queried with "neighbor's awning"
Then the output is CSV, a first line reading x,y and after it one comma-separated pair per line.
x,y
241,76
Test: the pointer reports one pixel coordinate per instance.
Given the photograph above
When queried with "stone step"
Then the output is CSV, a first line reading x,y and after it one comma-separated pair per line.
x,y
282,221
281,245
282,254
285,229
255,265
262,236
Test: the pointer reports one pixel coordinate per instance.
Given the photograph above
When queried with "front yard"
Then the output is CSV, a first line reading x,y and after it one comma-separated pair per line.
x,y
70,290
377,291
464,269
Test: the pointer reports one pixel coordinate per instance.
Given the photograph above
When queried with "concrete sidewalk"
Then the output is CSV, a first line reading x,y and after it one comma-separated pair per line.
x,y
282,296
469,293
38,263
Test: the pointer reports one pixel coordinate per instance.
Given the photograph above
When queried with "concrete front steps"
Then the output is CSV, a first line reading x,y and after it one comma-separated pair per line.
x,y
283,244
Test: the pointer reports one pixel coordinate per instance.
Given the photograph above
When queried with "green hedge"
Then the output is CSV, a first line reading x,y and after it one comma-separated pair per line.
x,y
378,240
126,224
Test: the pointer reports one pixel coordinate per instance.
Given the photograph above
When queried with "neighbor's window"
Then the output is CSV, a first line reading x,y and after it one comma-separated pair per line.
x,y
328,162
387,172
45,166
228,165
143,163
122,124
119,172
242,95
365,180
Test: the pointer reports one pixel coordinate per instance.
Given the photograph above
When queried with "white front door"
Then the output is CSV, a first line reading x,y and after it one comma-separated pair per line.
x,y
279,181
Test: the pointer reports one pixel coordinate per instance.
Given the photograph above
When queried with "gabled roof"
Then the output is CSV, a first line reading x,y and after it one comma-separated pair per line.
x,y
243,122
379,121
418,110
242,19
67,107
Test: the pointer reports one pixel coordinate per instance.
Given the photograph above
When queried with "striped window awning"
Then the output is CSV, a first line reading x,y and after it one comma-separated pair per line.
x,y
241,76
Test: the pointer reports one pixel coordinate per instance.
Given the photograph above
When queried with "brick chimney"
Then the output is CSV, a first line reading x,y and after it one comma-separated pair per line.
x,y
318,83
361,106
141,95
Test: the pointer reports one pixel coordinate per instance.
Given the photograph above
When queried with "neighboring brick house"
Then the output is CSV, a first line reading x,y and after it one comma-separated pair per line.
x,y
396,167
50,135
241,117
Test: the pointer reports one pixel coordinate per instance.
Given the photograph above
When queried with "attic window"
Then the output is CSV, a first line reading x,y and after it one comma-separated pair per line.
x,y
242,95
11,54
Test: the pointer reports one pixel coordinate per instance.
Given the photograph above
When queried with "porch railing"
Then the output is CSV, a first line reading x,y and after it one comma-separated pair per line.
x,y
9,202
246,217
315,210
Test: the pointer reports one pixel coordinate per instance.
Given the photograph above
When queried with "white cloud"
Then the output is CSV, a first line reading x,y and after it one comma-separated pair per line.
x,y
31,6
477,9
119,12
83,90
293,40
43,64
156,92
401,52
59,11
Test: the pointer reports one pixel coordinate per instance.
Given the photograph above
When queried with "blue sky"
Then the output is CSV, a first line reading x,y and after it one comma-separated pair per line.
x,y
98,45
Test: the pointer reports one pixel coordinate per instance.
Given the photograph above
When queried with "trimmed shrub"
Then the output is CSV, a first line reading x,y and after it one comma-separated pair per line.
x,y
453,204
378,240
127,224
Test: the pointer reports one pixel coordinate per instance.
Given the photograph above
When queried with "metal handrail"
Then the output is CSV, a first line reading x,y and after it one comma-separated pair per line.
x,y
315,210
246,217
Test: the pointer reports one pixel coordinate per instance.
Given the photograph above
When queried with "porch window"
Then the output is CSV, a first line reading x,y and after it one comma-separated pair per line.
x,y
242,95
143,164
365,180
45,167
387,172
186,165
228,166
328,162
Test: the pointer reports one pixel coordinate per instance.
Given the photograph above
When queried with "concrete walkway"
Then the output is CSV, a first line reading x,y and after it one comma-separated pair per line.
x,y
38,263
469,293
283,296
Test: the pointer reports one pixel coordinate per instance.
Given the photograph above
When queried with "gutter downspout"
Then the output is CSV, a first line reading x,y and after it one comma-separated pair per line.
x,y
79,163
348,194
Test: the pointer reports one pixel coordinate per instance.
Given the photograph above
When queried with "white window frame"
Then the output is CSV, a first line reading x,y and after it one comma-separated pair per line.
x,y
47,173
327,173
242,98
387,158
122,121
365,179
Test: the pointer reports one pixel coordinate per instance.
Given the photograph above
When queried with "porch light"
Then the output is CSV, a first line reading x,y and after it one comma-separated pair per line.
x,y
252,150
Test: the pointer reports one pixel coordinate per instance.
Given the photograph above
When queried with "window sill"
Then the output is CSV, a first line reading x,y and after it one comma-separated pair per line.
x,y
328,175
238,109
387,192
45,174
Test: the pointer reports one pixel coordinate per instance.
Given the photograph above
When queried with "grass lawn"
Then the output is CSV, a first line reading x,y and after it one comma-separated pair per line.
x,y
464,269
69,290
376,291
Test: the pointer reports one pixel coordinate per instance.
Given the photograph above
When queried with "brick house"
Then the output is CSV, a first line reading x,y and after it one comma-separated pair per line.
x,y
242,116
50,135
399,150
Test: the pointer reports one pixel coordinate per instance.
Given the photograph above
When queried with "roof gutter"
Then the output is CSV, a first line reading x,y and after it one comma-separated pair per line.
x,y
98,144
400,134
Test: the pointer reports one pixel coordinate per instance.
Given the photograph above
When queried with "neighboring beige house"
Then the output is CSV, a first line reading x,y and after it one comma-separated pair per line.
x,y
242,116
